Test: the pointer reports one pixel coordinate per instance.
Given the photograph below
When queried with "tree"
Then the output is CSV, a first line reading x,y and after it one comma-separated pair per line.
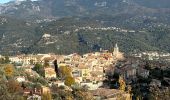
x,y
56,68
42,81
69,81
13,86
156,93
65,71
147,65
10,90
39,69
37,85
7,60
4,60
46,63
122,84
9,70
81,93
47,96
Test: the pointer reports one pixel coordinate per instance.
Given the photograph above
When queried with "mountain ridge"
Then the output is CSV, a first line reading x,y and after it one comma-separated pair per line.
x,y
63,8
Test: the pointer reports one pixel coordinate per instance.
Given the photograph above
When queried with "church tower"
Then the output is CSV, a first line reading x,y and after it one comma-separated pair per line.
x,y
116,50
117,54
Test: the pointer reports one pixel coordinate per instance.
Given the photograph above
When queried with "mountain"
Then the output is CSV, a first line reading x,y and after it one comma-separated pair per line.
x,y
41,9
67,26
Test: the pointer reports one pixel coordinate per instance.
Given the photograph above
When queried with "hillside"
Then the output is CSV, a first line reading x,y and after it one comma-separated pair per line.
x,y
68,26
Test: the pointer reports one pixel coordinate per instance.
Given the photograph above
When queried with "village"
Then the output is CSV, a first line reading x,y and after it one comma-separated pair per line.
x,y
105,75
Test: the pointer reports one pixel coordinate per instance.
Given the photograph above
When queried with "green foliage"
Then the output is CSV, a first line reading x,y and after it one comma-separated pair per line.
x,y
4,60
81,93
42,81
85,40
7,59
77,93
39,69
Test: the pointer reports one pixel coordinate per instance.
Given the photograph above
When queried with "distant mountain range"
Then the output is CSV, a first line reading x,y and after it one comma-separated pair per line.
x,y
32,9
23,24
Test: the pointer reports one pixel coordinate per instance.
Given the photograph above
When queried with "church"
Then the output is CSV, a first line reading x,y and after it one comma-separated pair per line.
x,y
117,54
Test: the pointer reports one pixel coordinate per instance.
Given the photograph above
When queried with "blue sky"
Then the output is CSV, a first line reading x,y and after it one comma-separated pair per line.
x,y
4,1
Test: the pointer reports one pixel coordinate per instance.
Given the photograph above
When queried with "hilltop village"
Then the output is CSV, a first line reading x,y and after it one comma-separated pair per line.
x,y
93,76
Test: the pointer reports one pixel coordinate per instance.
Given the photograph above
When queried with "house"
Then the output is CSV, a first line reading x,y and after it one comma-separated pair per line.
x,y
59,83
97,76
85,72
30,92
35,94
20,78
26,92
24,59
78,79
16,59
29,59
76,72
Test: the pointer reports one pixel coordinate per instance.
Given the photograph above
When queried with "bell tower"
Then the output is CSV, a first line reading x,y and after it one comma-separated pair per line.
x,y
116,50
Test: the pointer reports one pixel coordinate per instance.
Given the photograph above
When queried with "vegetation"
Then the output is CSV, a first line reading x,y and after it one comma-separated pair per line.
x,y
9,70
39,69
77,93
65,71
46,63
56,68
122,84
69,81
83,41
47,96
4,60
8,86
159,93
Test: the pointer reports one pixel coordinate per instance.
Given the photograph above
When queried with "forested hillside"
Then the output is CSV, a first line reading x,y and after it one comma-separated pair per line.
x,y
67,26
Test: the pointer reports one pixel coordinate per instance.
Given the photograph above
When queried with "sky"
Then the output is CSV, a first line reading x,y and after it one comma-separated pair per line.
x,y
4,1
